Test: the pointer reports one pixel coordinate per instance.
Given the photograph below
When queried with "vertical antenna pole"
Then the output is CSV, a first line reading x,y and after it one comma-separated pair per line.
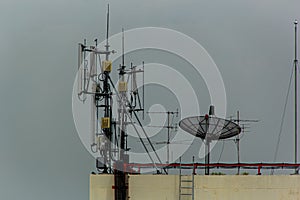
x,y
122,120
207,152
107,105
143,90
168,139
107,31
123,57
207,145
96,44
238,141
296,99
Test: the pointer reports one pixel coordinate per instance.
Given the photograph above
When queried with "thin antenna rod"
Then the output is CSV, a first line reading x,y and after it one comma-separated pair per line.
x,y
168,139
107,31
296,98
123,57
143,90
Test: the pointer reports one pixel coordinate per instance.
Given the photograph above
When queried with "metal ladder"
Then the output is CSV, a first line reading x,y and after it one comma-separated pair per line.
x,y
186,185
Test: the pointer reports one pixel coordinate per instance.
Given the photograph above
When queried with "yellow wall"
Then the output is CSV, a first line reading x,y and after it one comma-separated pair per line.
x,y
165,187
101,187
153,187
248,187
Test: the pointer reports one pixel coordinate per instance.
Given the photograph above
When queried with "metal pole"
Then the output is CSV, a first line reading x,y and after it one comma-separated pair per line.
x,y
168,139
107,131
207,148
107,32
123,56
122,122
296,99
238,141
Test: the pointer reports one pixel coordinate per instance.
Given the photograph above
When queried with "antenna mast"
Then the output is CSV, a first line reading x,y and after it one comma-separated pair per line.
x,y
296,97
123,56
122,89
107,31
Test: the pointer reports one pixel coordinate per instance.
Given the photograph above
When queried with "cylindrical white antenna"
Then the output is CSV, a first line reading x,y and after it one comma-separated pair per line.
x,y
85,70
79,72
93,71
134,83
93,118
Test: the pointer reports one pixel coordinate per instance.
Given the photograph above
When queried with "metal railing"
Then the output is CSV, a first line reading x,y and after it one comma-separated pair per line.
x,y
136,167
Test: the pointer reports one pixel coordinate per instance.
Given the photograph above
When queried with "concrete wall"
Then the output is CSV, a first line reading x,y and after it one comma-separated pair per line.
x,y
248,187
165,187
101,187
153,187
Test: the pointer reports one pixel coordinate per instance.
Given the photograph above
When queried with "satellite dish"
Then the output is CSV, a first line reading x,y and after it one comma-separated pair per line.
x,y
208,128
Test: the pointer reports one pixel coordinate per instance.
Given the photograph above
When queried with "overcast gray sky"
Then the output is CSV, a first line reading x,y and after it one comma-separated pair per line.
x,y
41,155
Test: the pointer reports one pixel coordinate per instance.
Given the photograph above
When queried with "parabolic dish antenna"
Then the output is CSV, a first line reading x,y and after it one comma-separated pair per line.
x,y
208,128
